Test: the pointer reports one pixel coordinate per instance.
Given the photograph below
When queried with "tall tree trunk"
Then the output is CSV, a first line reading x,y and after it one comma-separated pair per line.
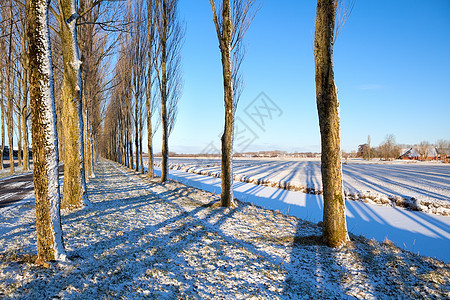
x,y
334,223
19,122
19,138
87,163
26,158
226,196
9,95
149,139
164,119
140,151
2,107
136,134
130,141
92,150
45,145
75,194
150,35
24,107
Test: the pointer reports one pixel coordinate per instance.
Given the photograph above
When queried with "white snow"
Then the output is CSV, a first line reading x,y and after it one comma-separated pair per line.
x,y
143,239
418,232
423,187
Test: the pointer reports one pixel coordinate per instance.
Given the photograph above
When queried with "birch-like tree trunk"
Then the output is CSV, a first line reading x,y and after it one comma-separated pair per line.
x,y
334,222
45,145
75,194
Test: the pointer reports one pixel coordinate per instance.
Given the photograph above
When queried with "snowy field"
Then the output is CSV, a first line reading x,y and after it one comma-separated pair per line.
x,y
142,239
423,186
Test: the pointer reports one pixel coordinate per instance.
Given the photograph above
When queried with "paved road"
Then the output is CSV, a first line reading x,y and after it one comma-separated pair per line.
x,y
15,189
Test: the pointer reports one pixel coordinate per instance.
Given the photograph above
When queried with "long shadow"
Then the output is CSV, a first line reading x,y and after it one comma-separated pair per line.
x,y
166,247
375,184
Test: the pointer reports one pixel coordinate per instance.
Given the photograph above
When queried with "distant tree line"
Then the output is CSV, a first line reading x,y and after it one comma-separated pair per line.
x,y
389,149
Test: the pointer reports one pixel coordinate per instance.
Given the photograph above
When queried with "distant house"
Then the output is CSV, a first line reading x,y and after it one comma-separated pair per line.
x,y
414,154
443,154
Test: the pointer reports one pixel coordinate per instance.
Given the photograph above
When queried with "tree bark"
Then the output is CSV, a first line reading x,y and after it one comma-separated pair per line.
x,y
151,35
9,95
334,222
26,158
2,108
24,107
45,142
224,35
227,137
75,194
164,119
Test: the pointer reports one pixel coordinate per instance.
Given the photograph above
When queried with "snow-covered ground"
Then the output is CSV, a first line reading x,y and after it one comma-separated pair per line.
x,y
143,239
419,232
423,186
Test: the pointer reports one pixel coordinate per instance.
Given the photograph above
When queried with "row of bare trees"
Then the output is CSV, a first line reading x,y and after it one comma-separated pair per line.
x,y
14,104
66,90
146,79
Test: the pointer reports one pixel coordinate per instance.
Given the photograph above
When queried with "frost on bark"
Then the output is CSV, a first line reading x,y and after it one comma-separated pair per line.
x,y
2,111
334,222
44,138
74,191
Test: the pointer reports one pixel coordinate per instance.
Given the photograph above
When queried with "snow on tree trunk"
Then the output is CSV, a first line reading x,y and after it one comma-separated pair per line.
x,y
75,194
44,138
334,223
2,108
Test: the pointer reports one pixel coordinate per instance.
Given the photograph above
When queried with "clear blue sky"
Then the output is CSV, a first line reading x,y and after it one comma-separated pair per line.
x,y
392,69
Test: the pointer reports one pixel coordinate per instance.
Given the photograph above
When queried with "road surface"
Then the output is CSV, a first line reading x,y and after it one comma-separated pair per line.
x,y
16,188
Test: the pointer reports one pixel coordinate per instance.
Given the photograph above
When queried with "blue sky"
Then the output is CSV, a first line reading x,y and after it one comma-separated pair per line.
x,y
392,69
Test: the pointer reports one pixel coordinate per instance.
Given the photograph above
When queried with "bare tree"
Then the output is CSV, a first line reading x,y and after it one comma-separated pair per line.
x,y
389,149
138,48
23,108
150,101
231,19
10,78
170,35
334,222
45,146
424,149
75,193
2,109
96,47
